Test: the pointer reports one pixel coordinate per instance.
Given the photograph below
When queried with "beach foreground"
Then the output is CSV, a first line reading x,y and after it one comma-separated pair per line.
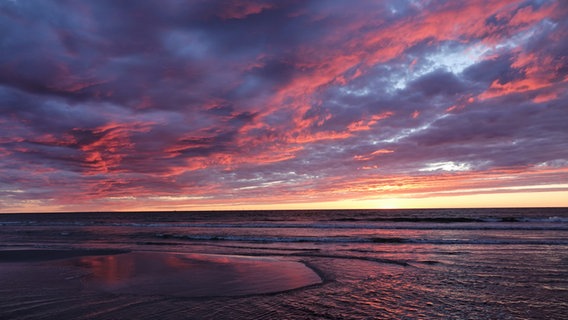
x,y
430,264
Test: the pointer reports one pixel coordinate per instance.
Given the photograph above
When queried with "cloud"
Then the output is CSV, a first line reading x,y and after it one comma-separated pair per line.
x,y
210,102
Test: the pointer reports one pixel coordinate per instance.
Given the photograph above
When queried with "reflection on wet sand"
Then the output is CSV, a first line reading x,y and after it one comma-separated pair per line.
x,y
192,275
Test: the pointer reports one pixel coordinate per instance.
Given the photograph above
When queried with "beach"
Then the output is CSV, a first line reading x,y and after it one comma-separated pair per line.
x,y
483,264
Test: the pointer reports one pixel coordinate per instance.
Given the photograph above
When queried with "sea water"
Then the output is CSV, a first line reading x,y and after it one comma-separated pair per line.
x,y
371,264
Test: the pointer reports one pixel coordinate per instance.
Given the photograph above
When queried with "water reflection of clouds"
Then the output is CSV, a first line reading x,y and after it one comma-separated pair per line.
x,y
192,274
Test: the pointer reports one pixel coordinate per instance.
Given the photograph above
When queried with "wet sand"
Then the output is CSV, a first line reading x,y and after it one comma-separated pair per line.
x,y
151,273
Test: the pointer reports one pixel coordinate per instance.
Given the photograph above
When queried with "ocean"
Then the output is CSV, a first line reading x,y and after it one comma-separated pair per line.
x,y
328,264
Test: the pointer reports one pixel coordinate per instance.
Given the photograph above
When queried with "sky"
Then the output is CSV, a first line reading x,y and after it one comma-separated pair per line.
x,y
297,104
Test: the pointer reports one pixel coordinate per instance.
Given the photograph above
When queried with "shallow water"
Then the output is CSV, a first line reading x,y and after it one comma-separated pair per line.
x,y
389,264
144,273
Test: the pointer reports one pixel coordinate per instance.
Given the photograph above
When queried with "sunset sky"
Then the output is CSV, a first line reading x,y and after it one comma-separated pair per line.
x,y
250,104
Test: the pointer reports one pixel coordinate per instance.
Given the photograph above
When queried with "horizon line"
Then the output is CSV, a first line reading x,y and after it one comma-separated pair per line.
x,y
281,210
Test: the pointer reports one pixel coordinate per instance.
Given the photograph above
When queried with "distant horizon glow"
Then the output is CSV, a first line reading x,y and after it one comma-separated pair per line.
x,y
252,104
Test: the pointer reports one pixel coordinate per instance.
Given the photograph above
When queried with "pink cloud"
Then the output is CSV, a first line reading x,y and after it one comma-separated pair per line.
x,y
111,144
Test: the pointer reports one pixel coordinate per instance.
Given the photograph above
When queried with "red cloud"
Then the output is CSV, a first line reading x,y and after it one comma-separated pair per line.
x,y
111,144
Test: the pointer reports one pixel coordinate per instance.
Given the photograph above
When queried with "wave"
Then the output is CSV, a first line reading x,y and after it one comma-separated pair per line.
x,y
552,223
378,240
262,238
458,219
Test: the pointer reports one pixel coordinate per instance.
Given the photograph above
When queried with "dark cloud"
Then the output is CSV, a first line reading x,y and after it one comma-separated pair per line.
x,y
438,82
498,69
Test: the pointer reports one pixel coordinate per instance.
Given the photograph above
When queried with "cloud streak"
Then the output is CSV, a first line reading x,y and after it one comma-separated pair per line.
x,y
143,104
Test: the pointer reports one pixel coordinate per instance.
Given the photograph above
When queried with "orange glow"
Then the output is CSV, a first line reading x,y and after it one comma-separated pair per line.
x,y
364,125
